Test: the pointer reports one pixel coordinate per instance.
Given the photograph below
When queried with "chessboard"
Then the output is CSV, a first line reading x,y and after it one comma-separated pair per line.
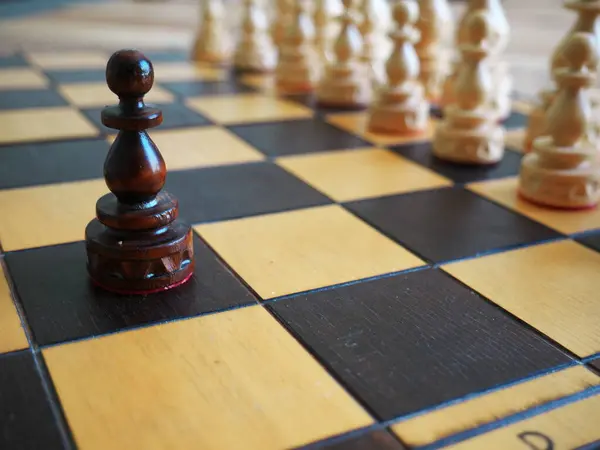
x,y
350,290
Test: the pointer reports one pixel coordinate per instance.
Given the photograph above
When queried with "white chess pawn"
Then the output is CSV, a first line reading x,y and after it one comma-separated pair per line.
x,y
323,17
587,21
563,170
499,26
211,44
255,50
401,107
298,65
435,19
470,133
370,34
346,82
280,21
497,41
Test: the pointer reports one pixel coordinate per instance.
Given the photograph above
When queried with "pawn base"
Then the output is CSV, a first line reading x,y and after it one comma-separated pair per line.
x,y
211,57
345,87
482,145
551,185
260,57
138,248
299,75
139,262
404,119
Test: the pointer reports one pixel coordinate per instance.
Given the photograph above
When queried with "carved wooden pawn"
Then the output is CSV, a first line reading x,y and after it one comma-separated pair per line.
x,y
136,244
280,23
346,82
470,133
433,24
211,44
497,41
588,13
563,170
255,51
298,66
401,107
323,14
371,53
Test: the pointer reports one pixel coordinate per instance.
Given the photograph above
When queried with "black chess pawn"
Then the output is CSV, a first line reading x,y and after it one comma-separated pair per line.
x,y
136,244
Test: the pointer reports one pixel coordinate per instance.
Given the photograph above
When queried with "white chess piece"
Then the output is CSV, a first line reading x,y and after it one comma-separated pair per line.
x,y
587,21
563,169
400,106
496,41
211,44
369,29
255,50
435,18
298,65
346,82
470,132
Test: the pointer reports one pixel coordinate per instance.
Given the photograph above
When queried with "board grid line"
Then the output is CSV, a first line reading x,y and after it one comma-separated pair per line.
x,y
537,410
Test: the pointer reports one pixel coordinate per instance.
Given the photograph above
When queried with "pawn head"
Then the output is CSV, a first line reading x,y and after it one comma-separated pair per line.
x,y
580,51
129,74
405,12
478,27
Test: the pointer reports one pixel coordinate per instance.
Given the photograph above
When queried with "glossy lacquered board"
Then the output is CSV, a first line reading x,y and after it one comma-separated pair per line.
x,y
350,290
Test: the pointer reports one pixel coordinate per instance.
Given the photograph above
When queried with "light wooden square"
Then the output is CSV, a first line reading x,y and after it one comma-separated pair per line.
x,y
356,123
504,191
90,95
12,335
48,215
188,148
362,173
553,287
184,71
441,423
34,124
284,253
570,426
229,380
246,108
69,60
21,78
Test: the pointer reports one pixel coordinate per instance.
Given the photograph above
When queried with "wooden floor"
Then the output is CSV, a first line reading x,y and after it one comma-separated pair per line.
x,y
537,25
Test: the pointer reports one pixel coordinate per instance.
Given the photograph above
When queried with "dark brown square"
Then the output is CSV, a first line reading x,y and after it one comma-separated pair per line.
x,y
26,418
61,304
52,162
239,190
293,137
30,98
449,223
406,343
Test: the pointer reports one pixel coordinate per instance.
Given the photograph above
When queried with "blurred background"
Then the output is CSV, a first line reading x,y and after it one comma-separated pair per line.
x,y
537,25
